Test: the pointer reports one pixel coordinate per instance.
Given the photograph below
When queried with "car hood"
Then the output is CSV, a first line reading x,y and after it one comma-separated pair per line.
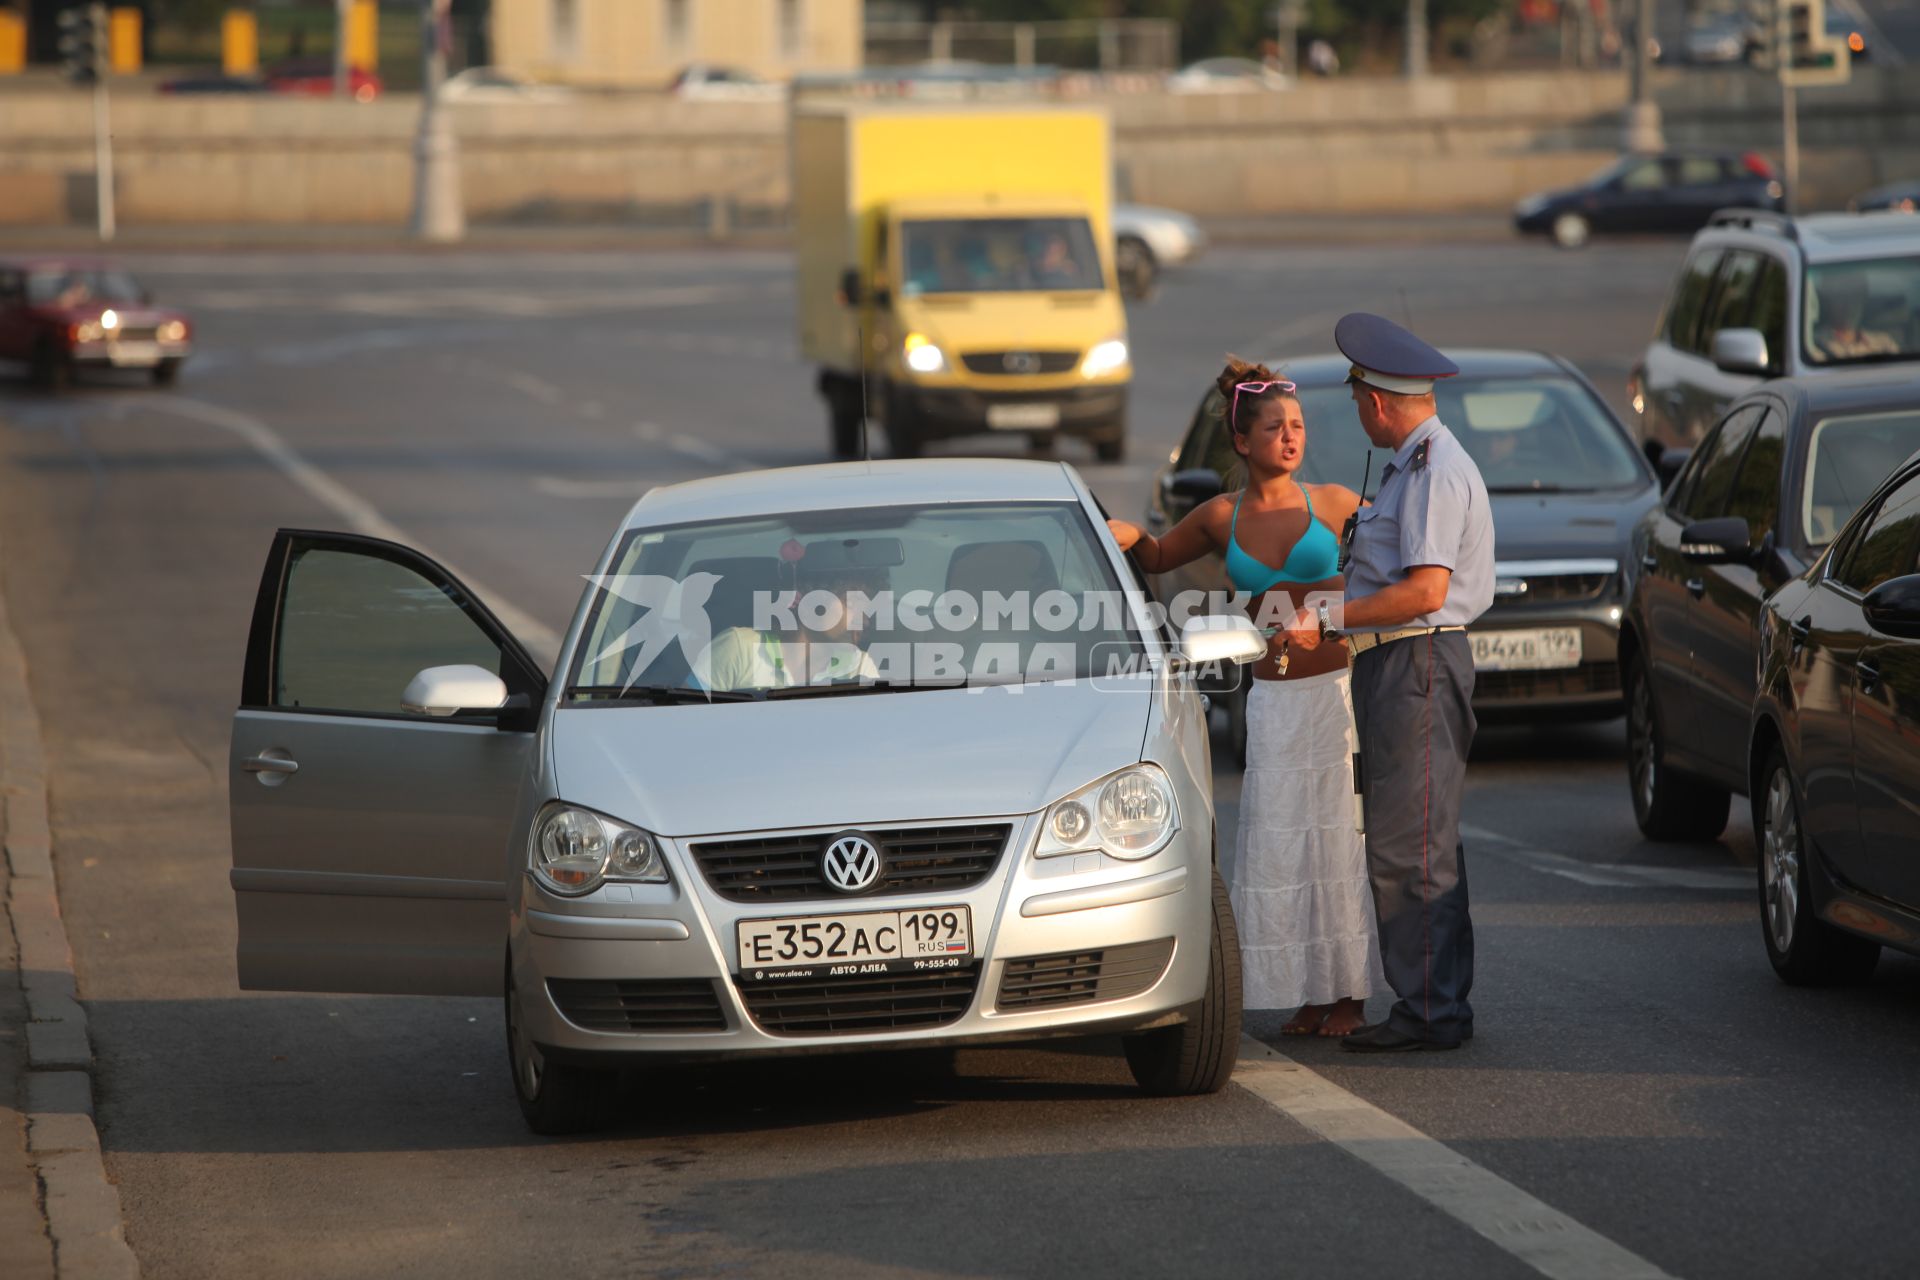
x,y
854,759
1560,526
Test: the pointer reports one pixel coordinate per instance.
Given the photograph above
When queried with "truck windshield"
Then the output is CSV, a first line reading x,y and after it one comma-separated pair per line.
x,y
1863,312
998,255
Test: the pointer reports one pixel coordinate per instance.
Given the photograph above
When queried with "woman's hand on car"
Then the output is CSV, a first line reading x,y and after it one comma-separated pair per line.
x,y
1125,534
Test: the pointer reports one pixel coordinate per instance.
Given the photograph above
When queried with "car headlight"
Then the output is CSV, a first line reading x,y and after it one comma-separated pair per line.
x,y
575,850
171,331
1105,358
1129,814
923,355
88,331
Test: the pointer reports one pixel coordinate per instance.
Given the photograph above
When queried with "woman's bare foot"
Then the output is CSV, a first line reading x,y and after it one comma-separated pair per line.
x,y
1307,1021
1344,1018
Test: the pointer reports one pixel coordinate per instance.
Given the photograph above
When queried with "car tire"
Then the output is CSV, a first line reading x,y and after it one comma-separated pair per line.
x,y
554,1097
166,373
1805,950
1134,263
903,441
1237,721
1571,230
1113,450
1198,1055
1041,443
1667,805
51,370
843,422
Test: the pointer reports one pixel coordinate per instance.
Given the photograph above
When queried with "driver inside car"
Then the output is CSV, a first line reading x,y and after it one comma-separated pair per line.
x,y
833,598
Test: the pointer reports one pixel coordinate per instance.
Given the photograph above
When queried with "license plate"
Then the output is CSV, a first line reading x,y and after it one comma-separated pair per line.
x,y
850,945
1542,650
1022,417
134,353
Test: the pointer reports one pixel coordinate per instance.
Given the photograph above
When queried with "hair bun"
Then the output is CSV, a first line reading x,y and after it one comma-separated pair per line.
x,y
1238,371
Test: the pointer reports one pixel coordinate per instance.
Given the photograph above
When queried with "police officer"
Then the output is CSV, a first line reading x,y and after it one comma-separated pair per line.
x,y
1421,568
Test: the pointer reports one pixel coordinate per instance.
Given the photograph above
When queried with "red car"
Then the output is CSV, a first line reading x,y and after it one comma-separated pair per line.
x,y
313,77
59,315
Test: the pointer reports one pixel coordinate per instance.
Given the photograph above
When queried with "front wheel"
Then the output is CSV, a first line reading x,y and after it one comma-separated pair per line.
x,y
555,1097
903,440
51,369
1198,1056
1112,450
1133,263
1805,950
1667,805
1571,231
166,373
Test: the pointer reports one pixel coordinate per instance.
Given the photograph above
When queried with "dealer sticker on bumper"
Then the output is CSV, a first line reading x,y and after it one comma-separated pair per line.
x,y
849,945
1546,649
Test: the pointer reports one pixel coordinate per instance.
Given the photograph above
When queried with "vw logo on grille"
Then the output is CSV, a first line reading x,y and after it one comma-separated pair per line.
x,y
1020,362
851,863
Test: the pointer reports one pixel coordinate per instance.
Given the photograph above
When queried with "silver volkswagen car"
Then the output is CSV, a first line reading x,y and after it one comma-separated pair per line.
x,y
833,758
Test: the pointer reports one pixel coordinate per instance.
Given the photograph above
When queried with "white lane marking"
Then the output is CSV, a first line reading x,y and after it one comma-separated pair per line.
x,y
361,516
1534,1232
535,387
1612,875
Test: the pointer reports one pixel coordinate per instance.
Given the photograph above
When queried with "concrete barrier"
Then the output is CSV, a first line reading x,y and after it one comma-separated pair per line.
x,y
1446,144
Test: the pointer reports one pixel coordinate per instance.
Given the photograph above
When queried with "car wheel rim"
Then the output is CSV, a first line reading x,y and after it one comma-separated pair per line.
x,y
1780,861
1570,231
1640,745
527,1064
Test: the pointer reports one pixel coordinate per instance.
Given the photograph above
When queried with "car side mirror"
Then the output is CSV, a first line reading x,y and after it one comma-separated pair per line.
x,y
1740,351
1221,637
1723,540
445,691
1194,485
1893,607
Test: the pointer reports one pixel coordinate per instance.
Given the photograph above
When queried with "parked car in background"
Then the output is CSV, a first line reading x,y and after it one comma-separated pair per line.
x,y
1147,239
1227,75
1831,764
1764,295
1777,477
313,78
1895,197
61,315
1718,41
705,82
1675,191
1567,487
491,84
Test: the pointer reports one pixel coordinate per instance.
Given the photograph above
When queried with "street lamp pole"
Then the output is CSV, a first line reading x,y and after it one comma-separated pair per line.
x,y
1415,62
437,213
1643,133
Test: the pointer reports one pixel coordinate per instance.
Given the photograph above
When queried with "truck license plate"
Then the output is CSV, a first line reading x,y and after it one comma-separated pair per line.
x,y
1547,649
1022,417
836,946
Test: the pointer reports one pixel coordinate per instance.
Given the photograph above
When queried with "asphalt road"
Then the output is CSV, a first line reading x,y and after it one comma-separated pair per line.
x,y
1637,1066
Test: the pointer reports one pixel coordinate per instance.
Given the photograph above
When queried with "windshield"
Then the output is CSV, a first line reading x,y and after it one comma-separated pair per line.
x,y
1863,312
864,599
1847,458
70,286
998,255
1541,434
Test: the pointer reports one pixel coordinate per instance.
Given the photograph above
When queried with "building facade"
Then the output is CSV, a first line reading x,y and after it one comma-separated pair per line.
x,y
642,43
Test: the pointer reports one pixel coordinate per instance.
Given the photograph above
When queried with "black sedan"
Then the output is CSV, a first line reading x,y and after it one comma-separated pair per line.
x,y
1897,197
1771,484
1567,486
1677,191
1833,767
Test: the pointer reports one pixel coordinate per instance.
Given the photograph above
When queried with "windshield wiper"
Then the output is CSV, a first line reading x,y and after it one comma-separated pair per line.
x,y
661,693
856,686
1538,488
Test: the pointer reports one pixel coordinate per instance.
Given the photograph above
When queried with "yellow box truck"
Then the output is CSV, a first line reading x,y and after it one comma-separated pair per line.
x,y
959,259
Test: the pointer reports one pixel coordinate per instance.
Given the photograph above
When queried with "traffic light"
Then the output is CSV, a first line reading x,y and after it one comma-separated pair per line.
x,y
83,42
1805,54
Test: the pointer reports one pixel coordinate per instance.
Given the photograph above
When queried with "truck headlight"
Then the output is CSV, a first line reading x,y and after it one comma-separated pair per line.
x,y
171,331
1105,358
1129,814
575,850
922,355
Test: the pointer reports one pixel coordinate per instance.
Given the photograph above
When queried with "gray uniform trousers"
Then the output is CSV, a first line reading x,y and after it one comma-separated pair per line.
x,y
1413,707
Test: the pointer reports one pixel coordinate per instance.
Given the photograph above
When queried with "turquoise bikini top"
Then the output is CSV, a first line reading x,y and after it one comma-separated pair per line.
x,y
1315,558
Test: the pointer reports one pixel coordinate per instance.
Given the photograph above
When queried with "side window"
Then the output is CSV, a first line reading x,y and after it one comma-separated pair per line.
x,y
1690,298
1700,171
1886,547
1714,482
1200,447
355,628
1768,313
1648,175
1732,300
1756,493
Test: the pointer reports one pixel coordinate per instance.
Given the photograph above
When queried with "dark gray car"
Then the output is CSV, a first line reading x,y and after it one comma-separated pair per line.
x,y
1567,486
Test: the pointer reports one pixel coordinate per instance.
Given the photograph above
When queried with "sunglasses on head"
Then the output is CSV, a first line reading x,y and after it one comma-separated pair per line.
x,y
1256,388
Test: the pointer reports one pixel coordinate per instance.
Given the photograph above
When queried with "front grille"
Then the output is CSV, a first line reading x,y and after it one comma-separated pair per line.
x,y
914,860
1558,587
638,1004
136,333
1082,977
1521,686
844,1006
1028,362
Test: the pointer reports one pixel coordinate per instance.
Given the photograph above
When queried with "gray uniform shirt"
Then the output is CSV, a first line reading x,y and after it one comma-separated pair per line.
x,y
1435,513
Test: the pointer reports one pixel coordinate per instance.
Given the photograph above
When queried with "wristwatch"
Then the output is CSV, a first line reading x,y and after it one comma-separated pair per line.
x,y
1326,620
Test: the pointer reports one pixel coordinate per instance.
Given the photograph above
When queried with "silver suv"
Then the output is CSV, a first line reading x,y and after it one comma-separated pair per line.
x,y
1765,295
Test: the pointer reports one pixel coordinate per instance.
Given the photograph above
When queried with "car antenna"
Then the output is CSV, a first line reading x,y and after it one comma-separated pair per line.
x,y
860,331
1353,521
1405,307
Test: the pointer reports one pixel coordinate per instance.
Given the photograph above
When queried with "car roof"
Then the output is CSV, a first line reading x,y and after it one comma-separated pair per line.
x,y
854,484
1884,386
1828,237
1474,362
41,262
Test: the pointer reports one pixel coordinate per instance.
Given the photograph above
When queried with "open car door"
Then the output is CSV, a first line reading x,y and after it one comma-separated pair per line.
x,y
371,843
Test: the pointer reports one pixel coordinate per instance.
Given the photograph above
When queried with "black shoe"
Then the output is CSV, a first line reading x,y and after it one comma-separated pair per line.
x,y
1382,1038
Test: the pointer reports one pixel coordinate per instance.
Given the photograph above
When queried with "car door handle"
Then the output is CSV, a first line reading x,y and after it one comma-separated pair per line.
x,y
1800,629
270,764
1649,562
1696,587
1869,676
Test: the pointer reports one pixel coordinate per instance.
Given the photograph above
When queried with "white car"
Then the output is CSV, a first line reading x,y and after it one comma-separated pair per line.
x,y
727,825
1227,75
703,82
491,84
1147,239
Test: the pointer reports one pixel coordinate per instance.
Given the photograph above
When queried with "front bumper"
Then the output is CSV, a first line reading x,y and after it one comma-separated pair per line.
x,y
128,353
670,955
1589,691
1096,411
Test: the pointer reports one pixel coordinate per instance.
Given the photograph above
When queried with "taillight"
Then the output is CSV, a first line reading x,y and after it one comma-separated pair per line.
x,y
1757,164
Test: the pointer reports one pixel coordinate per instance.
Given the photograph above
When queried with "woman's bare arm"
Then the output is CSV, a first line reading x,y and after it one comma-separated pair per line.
x,y
1193,537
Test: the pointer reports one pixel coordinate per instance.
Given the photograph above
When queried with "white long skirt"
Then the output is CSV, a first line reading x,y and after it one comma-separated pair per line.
x,y
1300,891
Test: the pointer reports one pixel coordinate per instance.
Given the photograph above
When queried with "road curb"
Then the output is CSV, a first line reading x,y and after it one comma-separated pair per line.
x,y
81,1205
